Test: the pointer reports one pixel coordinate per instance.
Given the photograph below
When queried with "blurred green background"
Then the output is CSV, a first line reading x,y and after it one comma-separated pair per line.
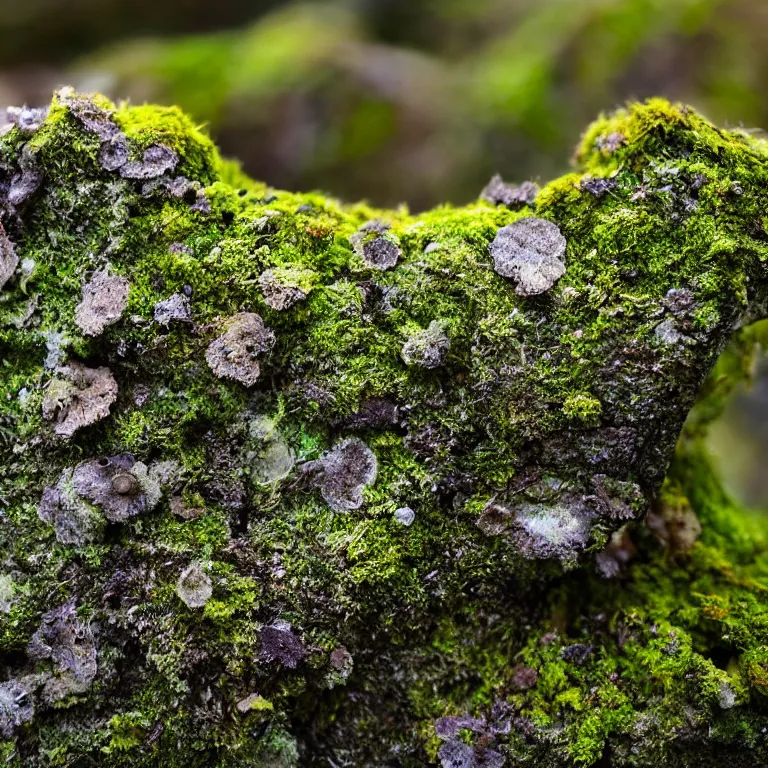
x,y
409,101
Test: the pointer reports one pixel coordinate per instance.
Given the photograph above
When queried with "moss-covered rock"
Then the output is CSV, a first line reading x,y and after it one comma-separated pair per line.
x,y
289,482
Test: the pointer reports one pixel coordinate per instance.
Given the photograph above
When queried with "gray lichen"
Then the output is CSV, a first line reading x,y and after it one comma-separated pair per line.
x,y
79,397
105,298
500,193
285,287
74,520
16,707
70,645
531,252
234,355
155,161
176,308
428,347
194,586
376,245
8,258
344,473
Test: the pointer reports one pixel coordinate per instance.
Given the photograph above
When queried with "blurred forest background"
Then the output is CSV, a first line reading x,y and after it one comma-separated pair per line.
x,y
409,101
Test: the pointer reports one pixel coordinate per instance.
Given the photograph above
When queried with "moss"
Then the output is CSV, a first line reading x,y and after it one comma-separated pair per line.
x,y
529,433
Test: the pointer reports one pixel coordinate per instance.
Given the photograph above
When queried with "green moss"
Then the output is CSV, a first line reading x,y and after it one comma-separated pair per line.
x,y
537,443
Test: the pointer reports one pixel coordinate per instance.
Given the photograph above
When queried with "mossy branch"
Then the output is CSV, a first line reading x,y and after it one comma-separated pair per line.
x,y
287,481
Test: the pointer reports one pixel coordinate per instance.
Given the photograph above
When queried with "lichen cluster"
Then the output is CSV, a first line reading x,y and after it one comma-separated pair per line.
x,y
287,482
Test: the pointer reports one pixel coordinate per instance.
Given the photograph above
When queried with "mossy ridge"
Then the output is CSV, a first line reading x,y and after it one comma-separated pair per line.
x,y
531,406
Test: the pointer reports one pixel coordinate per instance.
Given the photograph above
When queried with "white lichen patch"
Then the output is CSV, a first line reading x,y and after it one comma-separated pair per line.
x,y
539,530
27,119
56,343
427,348
551,531
194,586
726,696
666,332
105,298
80,397
531,252
234,355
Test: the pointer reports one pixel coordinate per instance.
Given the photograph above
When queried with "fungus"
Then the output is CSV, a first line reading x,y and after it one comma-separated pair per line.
x,y
427,348
176,308
531,252
8,258
16,707
105,298
344,473
194,586
156,160
405,516
234,354
378,248
498,192
80,398
279,643
110,484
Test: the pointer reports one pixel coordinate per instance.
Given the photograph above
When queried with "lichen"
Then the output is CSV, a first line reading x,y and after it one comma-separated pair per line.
x,y
347,486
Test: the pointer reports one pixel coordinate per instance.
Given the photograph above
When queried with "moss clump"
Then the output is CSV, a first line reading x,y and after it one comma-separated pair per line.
x,y
222,520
